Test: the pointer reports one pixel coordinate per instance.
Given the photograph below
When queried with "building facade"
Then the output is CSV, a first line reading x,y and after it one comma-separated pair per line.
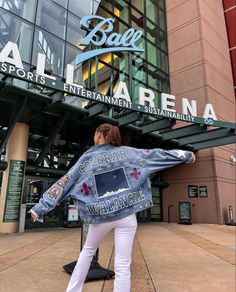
x,y
200,68
183,52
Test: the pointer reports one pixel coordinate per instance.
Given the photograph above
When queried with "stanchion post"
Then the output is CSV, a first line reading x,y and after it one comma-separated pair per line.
x,y
231,217
96,272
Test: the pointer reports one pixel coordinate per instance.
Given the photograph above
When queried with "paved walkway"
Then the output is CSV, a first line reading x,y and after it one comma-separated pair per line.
x,y
166,258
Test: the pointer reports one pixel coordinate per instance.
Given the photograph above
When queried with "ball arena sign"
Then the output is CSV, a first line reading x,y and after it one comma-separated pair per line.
x,y
11,64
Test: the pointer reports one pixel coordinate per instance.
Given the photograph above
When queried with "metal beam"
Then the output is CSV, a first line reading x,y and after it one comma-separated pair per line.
x,y
157,125
106,119
209,135
214,142
13,122
57,97
128,118
60,122
32,169
155,136
184,131
98,108
133,128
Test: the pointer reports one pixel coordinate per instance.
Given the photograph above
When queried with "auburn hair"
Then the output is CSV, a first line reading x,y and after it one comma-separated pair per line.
x,y
110,133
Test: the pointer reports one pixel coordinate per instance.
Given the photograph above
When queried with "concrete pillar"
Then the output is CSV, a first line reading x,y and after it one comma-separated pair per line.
x,y
11,191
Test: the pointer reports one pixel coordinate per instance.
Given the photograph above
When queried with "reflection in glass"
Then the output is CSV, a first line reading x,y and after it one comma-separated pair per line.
x,y
70,58
61,2
75,34
23,8
83,8
52,48
138,4
51,17
16,31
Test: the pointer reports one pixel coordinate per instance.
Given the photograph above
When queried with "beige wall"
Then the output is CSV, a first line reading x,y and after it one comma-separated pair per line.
x,y
200,69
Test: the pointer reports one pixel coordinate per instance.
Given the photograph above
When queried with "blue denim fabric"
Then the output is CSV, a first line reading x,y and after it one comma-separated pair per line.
x,y
109,183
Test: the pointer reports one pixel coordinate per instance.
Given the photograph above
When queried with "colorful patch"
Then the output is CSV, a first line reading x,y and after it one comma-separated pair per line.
x,y
111,183
63,181
135,173
54,192
85,190
148,150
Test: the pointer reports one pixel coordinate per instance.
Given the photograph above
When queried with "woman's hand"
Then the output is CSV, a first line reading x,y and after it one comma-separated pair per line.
x,y
193,157
33,217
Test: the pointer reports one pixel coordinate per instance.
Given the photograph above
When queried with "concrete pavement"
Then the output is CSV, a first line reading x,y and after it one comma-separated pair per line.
x,y
166,258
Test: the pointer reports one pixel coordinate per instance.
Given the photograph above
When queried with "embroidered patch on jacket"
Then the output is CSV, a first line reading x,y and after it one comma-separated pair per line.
x,y
85,190
135,173
148,150
54,192
111,183
63,181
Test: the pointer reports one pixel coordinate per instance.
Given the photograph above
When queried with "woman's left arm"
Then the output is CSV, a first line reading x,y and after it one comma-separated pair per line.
x,y
158,159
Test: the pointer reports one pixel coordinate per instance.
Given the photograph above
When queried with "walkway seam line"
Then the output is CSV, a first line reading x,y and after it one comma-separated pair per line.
x,y
146,264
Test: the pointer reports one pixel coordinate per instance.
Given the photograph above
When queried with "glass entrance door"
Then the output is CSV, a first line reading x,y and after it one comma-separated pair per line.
x,y
154,213
34,189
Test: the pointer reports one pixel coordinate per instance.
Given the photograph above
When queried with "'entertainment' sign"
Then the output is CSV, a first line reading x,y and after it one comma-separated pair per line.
x,y
11,64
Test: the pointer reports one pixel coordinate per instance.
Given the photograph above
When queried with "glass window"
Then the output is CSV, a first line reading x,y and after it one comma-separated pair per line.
x,y
152,32
148,68
61,2
138,68
70,58
161,3
138,4
75,34
52,48
15,30
51,17
153,79
121,62
152,10
121,9
164,62
153,55
137,19
104,75
134,94
81,7
95,6
23,8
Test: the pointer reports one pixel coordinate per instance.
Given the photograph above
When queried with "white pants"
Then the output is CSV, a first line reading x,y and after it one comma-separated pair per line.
x,y
124,230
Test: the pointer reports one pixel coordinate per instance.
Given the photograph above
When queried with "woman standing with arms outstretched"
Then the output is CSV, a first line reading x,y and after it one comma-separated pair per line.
x,y
110,184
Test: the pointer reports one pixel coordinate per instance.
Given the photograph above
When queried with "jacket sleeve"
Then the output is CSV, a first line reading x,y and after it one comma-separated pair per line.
x,y
55,194
158,159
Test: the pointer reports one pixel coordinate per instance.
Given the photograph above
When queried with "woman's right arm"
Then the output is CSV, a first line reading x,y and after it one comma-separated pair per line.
x,y
57,192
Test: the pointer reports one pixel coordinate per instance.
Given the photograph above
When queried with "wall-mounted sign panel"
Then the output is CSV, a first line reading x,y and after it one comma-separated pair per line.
x,y
192,191
14,189
203,192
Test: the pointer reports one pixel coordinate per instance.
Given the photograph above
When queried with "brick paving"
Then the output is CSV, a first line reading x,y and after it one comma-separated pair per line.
x,y
166,257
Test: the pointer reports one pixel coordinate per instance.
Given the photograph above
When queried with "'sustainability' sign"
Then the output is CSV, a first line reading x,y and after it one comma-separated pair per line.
x,y
81,92
105,40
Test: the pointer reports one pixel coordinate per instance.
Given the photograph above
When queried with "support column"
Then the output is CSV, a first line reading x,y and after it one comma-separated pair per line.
x,y
13,178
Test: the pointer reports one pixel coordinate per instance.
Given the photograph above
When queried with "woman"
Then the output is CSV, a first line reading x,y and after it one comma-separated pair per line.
x,y
110,184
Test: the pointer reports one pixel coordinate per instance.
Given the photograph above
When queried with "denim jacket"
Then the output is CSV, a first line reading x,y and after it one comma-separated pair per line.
x,y
109,183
